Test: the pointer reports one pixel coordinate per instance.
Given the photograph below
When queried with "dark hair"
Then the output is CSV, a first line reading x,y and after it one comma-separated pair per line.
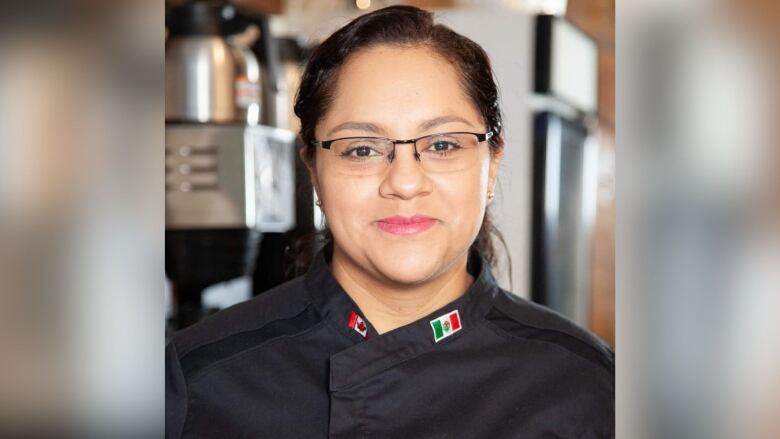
x,y
401,26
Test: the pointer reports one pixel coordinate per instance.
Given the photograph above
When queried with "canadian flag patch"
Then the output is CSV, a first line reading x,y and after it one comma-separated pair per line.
x,y
445,325
356,322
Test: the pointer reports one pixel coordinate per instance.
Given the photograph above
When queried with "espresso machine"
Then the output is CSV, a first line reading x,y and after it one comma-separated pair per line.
x,y
229,152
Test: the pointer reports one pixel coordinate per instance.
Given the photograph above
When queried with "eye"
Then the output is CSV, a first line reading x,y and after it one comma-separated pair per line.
x,y
443,146
361,151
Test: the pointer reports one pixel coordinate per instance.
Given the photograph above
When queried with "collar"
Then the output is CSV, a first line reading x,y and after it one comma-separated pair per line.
x,y
374,353
331,300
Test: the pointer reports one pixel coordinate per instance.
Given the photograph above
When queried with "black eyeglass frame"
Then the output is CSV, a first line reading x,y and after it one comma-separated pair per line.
x,y
481,137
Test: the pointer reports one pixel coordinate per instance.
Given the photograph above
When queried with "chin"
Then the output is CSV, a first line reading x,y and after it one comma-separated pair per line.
x,y
409,268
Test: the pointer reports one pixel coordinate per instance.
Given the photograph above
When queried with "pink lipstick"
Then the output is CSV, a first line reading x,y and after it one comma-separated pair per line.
x,y
399,225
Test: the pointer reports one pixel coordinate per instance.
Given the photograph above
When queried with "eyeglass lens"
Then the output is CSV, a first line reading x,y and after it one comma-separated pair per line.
x,y
437,153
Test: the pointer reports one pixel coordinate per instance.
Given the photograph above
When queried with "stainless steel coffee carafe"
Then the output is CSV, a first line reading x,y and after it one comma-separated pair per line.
x,y
208,80
209,77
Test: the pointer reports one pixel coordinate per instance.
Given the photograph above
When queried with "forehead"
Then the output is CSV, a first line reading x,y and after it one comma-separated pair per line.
x,y
398,87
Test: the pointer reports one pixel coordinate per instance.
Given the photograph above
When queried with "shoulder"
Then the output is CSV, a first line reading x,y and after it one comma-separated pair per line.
x,y
523,319
245,324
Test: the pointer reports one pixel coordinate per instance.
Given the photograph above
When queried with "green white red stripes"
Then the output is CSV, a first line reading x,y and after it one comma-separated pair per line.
x,y
445,325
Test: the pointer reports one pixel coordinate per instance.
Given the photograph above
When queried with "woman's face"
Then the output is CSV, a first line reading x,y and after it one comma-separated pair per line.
x,y
396,91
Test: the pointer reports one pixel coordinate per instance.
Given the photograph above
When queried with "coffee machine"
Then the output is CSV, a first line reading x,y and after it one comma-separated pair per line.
x,y
229,152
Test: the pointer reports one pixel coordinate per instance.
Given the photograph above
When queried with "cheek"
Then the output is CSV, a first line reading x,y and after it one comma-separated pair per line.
x,y
464,197
345,199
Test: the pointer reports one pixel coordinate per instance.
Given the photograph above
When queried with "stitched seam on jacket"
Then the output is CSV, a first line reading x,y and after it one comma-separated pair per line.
x,y
205,371
508,335
285,316
583,340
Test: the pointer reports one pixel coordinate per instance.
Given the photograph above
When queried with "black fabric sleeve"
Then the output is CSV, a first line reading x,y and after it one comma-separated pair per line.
x,y
175,394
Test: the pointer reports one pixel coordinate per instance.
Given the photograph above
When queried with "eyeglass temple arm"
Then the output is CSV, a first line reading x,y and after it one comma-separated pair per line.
x,y
486,136
325,144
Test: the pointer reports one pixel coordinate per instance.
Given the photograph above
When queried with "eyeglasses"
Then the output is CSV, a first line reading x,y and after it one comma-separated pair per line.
x,y
437,153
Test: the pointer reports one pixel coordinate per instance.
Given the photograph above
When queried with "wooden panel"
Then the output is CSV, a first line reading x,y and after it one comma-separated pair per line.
x,y
602,318
606,98
597,19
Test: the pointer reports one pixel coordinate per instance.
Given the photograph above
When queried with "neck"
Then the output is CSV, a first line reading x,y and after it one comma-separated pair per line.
x,y
389,305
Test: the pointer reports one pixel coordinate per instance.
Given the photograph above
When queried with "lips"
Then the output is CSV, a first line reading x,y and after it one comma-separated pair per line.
x,y
399,225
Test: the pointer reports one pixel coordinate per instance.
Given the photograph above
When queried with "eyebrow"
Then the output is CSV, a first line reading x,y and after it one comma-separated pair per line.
x,y
378,129
433,123
358,126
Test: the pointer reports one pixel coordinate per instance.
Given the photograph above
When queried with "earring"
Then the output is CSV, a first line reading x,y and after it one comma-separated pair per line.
x,y
318,203
490,196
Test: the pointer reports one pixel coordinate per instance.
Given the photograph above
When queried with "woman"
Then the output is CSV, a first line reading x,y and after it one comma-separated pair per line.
x,y
398,329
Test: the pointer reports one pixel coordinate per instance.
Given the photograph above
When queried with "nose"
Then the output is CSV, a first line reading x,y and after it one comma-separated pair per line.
x,y
404,178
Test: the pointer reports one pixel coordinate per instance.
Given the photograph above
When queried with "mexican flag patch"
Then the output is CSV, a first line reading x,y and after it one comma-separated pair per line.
x,y
356,322
445,325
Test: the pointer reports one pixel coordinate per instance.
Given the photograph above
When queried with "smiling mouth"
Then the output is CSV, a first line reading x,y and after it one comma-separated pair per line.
x,y
398,225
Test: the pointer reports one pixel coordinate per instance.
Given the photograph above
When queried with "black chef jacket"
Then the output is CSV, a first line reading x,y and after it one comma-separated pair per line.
x,y
293,363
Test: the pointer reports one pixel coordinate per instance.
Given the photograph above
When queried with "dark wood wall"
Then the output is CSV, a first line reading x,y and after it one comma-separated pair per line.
x,y
597,19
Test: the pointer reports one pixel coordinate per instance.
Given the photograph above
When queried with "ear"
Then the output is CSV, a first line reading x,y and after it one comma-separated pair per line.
x,y
495,161
311,167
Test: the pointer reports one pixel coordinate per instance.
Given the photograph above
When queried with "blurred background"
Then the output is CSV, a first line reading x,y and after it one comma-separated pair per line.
x,y
117,227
